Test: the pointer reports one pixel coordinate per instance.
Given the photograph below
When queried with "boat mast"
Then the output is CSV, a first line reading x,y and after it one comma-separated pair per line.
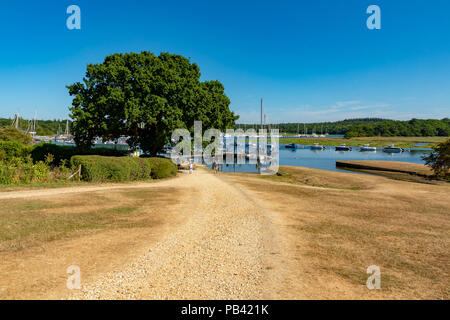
x,y
66,133
261,113
15,122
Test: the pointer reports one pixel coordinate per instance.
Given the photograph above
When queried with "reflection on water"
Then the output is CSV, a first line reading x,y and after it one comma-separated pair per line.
x,y
326,159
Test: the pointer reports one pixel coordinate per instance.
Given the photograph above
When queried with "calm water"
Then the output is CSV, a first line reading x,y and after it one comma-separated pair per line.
x,y
326,159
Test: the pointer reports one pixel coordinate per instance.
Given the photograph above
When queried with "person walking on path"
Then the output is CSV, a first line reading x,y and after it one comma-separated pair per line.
x,y
214,166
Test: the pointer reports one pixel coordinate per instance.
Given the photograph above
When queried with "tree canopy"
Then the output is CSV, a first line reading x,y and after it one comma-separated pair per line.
x,y
439,160
145,97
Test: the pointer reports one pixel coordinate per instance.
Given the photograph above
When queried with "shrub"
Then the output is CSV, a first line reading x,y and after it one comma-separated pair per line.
x,y
10,150
60,153
162,168
121,169
24,171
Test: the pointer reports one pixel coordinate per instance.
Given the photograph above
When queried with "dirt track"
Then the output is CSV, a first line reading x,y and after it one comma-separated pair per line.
x,y
220,253
224,249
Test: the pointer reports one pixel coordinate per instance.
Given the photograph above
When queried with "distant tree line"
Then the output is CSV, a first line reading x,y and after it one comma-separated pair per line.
x,y
365,127
43,127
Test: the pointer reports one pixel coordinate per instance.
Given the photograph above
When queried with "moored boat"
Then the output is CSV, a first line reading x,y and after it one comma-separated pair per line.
x,y
343,147
317,146
392,149
366,147
291,146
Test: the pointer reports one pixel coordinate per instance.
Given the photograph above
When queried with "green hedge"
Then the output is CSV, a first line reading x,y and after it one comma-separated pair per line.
x,y
121,169
40,151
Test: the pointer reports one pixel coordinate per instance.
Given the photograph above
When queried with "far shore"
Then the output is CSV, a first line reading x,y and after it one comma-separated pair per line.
x,y
403,142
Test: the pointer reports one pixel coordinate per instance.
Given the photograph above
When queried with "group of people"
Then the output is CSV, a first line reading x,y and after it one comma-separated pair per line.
x,y
190,166
215,166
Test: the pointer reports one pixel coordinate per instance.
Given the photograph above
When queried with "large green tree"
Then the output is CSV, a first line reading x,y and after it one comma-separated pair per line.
x,y
145,97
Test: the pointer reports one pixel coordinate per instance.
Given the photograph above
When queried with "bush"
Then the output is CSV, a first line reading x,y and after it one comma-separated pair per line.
x,y
24,171
162,168
60,153
10,150
121,169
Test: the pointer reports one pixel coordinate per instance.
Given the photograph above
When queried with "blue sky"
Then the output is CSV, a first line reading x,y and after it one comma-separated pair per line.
x,y
309,60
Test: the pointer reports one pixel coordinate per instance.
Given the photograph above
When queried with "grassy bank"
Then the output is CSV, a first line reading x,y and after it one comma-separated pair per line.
x,y
338,224
29,223
404,142
405,171
98,231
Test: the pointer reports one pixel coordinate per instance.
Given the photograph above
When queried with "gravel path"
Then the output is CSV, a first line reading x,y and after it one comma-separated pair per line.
x,y
222,252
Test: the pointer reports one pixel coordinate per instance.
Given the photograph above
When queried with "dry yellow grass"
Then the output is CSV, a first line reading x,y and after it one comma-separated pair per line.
x,y
305,234
337,224
98,231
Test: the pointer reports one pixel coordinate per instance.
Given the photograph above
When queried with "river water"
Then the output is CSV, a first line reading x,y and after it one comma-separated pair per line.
x,y
326,159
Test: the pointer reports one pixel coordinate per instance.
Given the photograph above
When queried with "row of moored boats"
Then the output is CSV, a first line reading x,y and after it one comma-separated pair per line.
x,y
391,148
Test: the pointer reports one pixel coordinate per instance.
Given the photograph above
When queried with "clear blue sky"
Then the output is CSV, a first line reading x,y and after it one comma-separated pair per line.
x,y
309,60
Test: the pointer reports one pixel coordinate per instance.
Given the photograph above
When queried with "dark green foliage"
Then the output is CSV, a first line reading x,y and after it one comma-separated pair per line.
x,y
122,169
367,127
412,128
40,151
439,160
145,97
